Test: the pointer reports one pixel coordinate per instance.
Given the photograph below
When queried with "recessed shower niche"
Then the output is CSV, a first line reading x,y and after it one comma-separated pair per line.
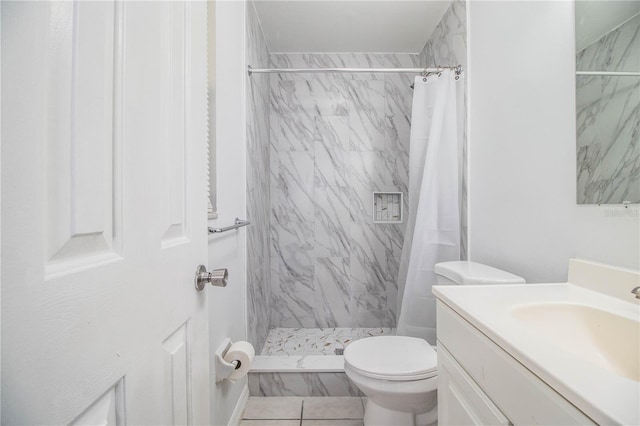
x,y
387,207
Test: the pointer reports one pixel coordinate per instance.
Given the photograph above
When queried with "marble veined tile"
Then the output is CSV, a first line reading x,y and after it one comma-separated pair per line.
x,y
370,250
355,142
343,60
397,123
382,318
370,171
333,292
294,128
447,44
322,97
301,384
332,221
293,309
616,51
366,115
293,192
331,151
296,263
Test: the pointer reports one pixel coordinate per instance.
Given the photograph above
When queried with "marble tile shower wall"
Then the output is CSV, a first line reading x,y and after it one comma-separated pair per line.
x,y
608,118
448,46
334,139
258,205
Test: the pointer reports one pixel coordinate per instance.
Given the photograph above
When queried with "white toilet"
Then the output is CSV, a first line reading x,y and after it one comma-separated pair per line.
x,y
398,374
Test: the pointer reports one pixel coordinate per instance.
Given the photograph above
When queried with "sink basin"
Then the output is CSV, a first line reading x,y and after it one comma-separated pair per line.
x,y
582,337
600,337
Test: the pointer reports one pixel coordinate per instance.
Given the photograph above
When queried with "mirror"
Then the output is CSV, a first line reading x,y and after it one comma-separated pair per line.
x,y
608,101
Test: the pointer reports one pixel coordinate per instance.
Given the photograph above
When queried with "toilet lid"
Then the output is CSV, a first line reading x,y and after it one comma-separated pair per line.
x,y
392,358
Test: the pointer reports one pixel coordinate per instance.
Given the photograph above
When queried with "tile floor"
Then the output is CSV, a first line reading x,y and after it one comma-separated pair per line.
x,y
316,341
303,411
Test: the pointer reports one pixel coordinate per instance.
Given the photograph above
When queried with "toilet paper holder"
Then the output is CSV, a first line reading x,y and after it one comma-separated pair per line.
x,y
224,369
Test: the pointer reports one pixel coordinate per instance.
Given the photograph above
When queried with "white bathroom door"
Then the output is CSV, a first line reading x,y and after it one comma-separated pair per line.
x,y
103,213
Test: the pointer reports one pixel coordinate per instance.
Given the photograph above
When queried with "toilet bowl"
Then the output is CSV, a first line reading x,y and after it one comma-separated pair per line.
x,y
398,374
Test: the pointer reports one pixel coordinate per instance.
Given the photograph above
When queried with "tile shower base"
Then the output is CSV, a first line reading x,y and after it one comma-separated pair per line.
x,y
306,362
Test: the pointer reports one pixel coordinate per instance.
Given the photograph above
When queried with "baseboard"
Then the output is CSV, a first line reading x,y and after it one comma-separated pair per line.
x,y
236,416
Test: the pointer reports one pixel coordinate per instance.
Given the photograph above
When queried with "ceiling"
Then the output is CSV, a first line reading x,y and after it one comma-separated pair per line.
x,y
594,19
329,26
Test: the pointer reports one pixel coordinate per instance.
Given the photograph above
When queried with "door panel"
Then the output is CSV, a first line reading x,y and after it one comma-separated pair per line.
x,y
173,146
80,196
107,410
178,399
103,213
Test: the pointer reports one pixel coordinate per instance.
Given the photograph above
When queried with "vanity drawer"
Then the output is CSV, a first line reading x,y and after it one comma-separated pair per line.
x,y
516,391
460,400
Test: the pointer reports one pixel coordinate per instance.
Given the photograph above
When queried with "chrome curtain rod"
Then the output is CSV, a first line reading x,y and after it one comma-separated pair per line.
x,y
250,70
611,73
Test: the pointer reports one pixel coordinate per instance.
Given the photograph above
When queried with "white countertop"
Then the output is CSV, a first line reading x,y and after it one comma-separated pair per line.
x,y
602,395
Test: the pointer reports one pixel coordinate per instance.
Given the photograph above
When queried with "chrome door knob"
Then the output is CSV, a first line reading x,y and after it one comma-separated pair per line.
x,y
217,277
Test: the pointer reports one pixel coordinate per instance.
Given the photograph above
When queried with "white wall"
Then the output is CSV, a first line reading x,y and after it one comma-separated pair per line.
x,y
227,305
523,215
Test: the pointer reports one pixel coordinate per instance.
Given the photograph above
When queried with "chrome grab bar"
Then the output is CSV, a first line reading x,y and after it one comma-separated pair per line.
x,y
239,223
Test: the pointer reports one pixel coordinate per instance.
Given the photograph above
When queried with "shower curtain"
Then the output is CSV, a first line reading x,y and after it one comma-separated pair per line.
x,y
433,227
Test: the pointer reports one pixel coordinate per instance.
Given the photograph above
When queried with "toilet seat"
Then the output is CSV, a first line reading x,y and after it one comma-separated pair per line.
x,y
394,358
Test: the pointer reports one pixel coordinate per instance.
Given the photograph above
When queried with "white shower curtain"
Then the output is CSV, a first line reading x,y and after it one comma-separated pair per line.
x,y
433,227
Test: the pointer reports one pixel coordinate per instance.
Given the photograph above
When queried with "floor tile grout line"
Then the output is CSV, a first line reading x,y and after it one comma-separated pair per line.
x,y
301,412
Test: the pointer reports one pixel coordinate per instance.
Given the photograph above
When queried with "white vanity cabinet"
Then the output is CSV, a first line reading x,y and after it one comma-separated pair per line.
x,y
480,383
460,399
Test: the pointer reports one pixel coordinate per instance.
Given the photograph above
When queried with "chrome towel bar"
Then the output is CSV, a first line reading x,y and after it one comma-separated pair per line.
x,y
239,223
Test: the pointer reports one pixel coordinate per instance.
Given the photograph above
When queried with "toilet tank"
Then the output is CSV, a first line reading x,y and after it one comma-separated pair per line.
x,y
464,272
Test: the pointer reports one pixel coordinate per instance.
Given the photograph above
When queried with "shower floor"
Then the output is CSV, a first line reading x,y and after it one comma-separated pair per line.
x,y
316,341
306,362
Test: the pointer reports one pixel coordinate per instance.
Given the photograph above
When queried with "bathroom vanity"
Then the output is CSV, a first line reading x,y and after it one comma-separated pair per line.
x,y
563,353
